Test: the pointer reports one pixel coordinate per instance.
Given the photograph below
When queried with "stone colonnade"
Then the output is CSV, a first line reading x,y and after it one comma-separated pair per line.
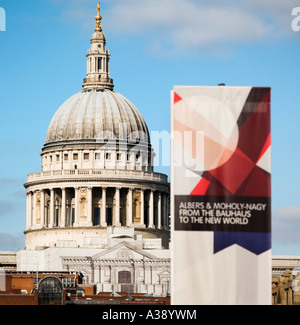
x,y
87,206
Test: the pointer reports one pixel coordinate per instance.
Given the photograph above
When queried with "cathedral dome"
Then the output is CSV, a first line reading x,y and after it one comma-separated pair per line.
x,y
95,115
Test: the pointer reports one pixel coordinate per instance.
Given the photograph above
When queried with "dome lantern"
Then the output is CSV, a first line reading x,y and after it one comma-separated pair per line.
x,y
98,75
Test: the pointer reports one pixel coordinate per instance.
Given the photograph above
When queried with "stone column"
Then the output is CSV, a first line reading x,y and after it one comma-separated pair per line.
x,y
103,208
99,274
76,207
129,214
29,210
142,221
164,211
92,159
61,160
52,208
90,207
88,64
80,159
117,216
151,210
63,207
159,211
33,222
102,160
42,208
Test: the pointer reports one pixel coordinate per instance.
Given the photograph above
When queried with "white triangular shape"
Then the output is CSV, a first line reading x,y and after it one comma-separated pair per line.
x,y
265,161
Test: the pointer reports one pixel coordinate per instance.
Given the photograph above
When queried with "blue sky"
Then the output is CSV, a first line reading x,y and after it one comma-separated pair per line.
x,y
154,45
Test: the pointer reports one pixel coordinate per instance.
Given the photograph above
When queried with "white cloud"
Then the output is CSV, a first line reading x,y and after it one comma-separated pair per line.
x,y
286,225
12,242
189,25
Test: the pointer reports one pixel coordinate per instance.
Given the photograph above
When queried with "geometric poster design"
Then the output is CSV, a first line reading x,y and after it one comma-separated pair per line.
x,y
221,180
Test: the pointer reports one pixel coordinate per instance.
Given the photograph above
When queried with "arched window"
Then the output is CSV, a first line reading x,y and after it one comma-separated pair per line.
x,y
50,291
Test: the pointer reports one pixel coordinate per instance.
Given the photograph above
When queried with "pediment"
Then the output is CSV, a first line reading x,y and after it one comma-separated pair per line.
x,y
124,250
164,274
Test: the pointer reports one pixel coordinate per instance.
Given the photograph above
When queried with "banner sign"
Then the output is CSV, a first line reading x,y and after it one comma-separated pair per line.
x,y
221,195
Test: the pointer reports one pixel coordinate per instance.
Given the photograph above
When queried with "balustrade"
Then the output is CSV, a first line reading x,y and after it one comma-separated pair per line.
x,y
102,173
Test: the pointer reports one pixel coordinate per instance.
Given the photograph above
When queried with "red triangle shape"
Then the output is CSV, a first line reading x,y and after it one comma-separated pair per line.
x,y
201,187
266,146
177,98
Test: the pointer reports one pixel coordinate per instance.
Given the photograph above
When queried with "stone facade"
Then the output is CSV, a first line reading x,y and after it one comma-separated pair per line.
x,y
124,268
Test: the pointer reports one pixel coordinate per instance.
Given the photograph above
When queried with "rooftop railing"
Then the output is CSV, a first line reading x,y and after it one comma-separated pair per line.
x,y
99,173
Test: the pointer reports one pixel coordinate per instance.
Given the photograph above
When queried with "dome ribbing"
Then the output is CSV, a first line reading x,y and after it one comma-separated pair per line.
x,y
97,115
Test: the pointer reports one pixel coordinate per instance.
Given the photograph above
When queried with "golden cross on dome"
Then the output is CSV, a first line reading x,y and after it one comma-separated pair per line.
x,y
98,18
